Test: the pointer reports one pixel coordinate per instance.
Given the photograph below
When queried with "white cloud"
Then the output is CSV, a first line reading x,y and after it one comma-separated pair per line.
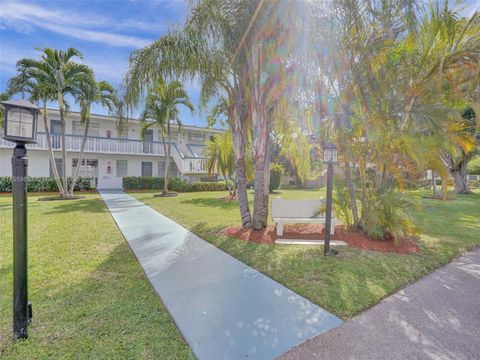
x,y
23,17
95,36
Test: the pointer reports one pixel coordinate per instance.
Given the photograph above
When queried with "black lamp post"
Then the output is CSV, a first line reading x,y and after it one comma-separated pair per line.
x,y
20,127
329,158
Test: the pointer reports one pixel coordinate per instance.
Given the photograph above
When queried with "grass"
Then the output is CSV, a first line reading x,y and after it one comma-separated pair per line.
x,y
90,297
351,282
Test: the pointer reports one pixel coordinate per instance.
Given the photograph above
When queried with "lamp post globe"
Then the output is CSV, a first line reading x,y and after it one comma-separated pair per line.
x,y
330,157
20,127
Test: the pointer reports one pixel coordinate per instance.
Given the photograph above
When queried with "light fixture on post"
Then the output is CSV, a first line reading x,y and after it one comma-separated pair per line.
x,y
330,155
20,127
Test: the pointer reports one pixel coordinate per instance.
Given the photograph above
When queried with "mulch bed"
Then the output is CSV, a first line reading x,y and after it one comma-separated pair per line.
x,y
353,238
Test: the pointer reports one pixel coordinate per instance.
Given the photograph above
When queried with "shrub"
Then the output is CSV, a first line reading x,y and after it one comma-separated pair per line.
x,y
276,172
474,166
174,184
35,184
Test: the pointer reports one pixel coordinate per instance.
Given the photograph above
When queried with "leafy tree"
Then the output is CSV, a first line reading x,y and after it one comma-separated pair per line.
x,y
161,110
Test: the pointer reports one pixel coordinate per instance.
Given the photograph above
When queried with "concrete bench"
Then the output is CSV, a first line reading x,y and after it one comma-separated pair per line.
x,y
299,211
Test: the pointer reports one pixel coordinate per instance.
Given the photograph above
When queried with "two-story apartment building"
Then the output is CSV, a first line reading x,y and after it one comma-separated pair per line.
x,y
110,155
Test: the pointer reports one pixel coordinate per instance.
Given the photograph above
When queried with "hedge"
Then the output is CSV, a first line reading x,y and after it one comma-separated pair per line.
x,y
276,172
174,184
47,184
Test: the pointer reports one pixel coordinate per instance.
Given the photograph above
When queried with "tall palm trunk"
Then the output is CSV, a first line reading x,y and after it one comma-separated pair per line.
x,y
261,165
167,161
239,135
80,159
50,149
64,192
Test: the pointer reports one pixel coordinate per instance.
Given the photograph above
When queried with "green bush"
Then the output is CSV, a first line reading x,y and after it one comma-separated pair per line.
x,y
35,184
174,184
473,167
276,172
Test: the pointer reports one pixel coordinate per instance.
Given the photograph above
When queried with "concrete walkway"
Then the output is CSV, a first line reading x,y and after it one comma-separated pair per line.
x,y
223,308
436,318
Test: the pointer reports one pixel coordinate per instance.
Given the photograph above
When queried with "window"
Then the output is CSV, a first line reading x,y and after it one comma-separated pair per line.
x,y
122,168
172,171
58,164
88,168
79,129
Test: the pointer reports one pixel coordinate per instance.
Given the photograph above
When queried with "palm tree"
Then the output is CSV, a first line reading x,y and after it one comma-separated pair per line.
x,y
210,47
60,75
88,93
220,157
161,106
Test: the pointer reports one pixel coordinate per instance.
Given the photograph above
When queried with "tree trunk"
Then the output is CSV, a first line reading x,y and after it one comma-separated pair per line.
x,y
459,174
239,135
434,184
230,192
167,161
260,136
351,190
80,159
64,144
50,150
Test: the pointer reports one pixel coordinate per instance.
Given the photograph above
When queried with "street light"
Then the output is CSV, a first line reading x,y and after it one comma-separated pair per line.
x,y
329,158
20,127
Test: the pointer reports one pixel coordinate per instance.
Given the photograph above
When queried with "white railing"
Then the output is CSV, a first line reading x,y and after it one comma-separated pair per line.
x,y
188,165
96,145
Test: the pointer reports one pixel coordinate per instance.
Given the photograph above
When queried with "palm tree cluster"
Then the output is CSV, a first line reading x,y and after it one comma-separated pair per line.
x,y
403,77
388,80
52,78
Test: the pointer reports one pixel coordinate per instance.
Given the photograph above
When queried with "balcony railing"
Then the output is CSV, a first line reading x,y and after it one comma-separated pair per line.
x,y
96,145
188,164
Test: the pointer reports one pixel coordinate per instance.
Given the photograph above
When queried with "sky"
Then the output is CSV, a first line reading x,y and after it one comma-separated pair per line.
x,y
105,31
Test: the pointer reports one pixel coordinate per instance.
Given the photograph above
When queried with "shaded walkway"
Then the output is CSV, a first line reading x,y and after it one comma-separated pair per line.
x,y
438,317
223,308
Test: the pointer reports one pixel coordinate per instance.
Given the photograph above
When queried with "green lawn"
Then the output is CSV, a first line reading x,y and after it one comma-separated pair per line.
x,y
90,297
92,300
351,282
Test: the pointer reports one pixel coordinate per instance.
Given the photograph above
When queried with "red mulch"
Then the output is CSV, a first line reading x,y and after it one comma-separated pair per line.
x,y
353,238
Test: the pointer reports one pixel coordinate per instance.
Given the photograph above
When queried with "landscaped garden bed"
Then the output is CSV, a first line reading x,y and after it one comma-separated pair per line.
x,y
316,232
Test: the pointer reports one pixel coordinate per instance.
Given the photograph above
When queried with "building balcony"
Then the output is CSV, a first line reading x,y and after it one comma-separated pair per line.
x,y
94,144
186,164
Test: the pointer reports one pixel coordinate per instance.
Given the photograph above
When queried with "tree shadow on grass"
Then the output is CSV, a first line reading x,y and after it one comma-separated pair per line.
x,y
85,205
212,202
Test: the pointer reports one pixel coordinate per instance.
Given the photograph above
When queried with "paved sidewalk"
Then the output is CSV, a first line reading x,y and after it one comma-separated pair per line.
x,y
223,308
438,317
